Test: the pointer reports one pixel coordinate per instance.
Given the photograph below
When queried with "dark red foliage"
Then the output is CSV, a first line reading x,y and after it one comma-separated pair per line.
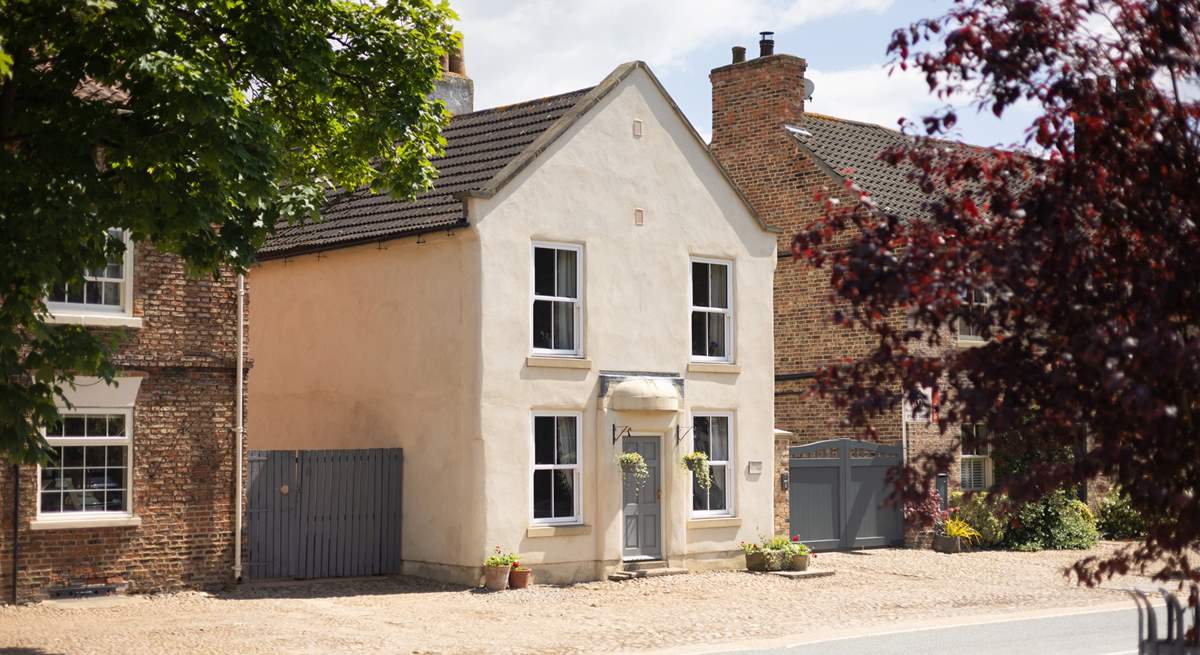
x,y
1089,249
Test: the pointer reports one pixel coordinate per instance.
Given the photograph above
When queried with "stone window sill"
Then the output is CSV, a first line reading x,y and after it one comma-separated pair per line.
x,y
95,319
709,367
56,523
558,530
726,522
557,362
969,343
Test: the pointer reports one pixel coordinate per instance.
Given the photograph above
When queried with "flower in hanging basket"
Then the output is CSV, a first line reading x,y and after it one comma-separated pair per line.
x,y
634,464
697,463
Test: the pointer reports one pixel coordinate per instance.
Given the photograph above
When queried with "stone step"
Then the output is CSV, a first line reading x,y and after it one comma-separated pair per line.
x,y
618,576
644,565
802,575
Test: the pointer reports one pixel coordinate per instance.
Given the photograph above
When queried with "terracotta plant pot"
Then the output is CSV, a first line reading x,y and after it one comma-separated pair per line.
x,y
755,561
495,578
775,559
798,563
944,544
520,577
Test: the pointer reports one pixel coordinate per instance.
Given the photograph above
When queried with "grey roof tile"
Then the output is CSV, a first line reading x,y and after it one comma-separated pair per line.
x,y
478,145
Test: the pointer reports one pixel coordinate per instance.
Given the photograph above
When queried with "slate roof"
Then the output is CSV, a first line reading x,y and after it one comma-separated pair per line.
x,y
851,149
478,145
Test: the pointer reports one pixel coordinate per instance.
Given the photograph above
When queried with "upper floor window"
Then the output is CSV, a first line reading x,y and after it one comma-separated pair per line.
x,y
557,301
712,310
971,328
104,289
557,487
712,435
975,459
89,470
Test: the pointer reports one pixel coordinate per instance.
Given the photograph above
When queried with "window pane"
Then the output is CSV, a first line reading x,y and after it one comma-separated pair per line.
x,y
567,286
543,271
73,501
699,334
699,284
94,456
701,441
718,276
543,439
717,493
716,335
720,439
51,479
566,440
91,292
542,312
564,494
73,479
55,429
58,294
543,481
97,478
116,456
75,293
52,502
564,326
114,501
116,425
116,478
73,426
93,501
112,293
72,456
97,426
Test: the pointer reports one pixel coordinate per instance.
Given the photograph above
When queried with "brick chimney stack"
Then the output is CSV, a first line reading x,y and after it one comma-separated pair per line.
x,y
455,88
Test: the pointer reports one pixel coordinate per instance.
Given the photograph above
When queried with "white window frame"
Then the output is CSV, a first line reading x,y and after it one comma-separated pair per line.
x,y
914,414
577,351
986,460
577,468
727,311
974,298
126,441
730,468
125,309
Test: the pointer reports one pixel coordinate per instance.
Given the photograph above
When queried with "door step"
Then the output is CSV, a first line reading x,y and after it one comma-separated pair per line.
x,y
634,570
644,565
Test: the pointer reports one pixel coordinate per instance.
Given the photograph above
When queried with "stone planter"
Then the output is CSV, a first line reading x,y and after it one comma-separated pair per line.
x,y
495,578
520,577
944,544
755,561
798,563
775,559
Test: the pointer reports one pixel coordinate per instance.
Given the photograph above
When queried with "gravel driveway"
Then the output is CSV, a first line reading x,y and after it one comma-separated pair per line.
x,y
405,615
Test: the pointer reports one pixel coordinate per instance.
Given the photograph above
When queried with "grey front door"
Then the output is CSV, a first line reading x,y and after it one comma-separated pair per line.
x,y
642,514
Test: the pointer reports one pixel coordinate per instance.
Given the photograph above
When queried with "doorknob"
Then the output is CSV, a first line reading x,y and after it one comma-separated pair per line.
x,y
658,494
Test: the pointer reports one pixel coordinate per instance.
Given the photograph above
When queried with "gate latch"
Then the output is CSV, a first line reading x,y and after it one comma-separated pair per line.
x,y
284,489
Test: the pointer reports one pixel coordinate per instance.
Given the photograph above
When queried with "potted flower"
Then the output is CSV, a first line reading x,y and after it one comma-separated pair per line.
x,y
953,536
799,553
697,463
755,561
496,569
520,577
633,464
777,552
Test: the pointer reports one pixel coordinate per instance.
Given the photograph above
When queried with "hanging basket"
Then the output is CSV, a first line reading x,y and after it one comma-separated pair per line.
x,y
633,465
697,463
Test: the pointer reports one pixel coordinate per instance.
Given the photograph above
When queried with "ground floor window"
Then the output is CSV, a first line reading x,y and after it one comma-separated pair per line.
x,y
556,470
974,462
713,436
89,470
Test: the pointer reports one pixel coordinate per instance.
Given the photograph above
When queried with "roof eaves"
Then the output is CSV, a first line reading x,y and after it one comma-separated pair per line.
x,y
311,248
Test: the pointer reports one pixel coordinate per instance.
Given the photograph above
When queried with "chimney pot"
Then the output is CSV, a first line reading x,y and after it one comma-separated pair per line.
x,y
739,54
766,45
457,63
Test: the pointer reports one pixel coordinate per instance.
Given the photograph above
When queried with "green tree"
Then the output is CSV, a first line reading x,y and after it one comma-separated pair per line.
x,y
194,125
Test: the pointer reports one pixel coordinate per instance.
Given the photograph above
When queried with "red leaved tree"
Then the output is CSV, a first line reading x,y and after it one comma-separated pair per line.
x,y
1088,254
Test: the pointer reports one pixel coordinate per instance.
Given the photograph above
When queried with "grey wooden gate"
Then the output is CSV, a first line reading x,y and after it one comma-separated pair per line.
x,y
324,513
836,493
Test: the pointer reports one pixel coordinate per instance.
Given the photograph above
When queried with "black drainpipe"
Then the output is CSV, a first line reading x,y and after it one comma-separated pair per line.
x,y
16,548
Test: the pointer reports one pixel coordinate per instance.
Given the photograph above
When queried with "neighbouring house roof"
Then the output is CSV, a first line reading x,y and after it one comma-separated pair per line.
x,y
484,150
850,149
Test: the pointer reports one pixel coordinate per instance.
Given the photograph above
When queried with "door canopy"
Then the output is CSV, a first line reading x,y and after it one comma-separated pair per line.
x,y
645,394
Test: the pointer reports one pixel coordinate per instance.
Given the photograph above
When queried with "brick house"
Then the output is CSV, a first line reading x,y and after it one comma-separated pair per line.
x,y
779,155
142,496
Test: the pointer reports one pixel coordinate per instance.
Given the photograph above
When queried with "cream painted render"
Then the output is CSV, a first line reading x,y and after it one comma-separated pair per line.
x,y
426,346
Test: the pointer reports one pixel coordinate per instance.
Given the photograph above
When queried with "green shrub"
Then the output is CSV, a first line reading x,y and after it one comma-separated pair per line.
x,y
1056,522
989,518
1118,519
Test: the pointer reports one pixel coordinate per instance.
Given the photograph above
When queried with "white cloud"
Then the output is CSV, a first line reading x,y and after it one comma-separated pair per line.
x,y
870,95
529,48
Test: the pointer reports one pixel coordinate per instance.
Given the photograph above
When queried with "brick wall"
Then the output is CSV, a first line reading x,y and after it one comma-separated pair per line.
x,y
752,102
183,452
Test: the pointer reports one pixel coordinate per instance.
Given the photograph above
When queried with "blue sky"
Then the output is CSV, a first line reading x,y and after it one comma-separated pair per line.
x,y
521,49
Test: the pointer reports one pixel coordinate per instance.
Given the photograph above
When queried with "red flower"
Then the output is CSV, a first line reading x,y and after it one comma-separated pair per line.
x,y
795,538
